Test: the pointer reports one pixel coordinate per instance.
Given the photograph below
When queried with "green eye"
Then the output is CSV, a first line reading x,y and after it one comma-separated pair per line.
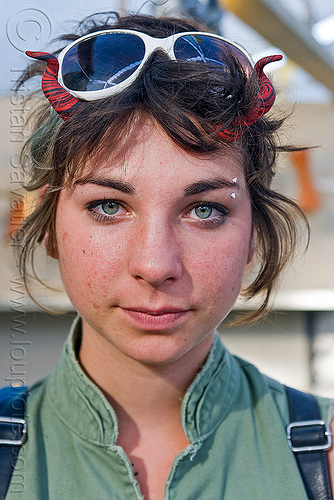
x,y
110,207
203,211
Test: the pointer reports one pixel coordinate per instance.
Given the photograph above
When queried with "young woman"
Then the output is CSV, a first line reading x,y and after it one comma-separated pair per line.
x,y
154,166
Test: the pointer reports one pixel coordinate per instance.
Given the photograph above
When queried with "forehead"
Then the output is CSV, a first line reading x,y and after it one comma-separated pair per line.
x,y
149,153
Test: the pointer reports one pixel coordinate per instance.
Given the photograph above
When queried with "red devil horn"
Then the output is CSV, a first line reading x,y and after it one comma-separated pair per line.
x,y
61,100
263,104
267,92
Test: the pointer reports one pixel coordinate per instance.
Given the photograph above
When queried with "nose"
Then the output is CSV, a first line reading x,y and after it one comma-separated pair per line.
x,y
155,254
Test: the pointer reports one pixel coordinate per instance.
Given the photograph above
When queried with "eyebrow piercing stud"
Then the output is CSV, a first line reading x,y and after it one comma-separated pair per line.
x,y
232,195
235,180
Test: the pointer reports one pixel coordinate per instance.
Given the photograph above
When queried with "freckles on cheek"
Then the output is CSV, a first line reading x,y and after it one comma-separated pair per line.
x,y
73,257
90,262
229,265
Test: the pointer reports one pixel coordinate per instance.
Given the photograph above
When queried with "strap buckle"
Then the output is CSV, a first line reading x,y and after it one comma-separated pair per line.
x,y
13,431
310,435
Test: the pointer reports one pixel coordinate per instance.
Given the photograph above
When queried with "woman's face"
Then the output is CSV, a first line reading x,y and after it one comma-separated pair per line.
x,y
152,249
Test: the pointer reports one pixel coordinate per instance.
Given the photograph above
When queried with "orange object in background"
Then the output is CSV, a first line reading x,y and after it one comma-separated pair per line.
x,y
309,199
19,208
16,215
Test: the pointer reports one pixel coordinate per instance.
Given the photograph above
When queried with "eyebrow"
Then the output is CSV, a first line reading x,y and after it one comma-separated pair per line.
x,y
210,185
190,190
125,187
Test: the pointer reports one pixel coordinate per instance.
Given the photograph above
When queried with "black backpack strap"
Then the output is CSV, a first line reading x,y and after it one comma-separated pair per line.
x,y
309,438
12,432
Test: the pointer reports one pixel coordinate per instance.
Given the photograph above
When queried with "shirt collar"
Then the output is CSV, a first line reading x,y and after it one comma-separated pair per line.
x,y
84,409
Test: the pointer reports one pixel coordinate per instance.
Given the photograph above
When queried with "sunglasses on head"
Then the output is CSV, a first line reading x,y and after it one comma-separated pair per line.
x,y
104,63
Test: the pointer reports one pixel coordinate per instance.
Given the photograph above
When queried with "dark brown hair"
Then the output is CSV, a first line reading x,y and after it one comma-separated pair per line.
x,y
188,101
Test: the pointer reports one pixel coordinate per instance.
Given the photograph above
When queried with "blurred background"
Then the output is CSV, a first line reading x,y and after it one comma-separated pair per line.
x,y
295,344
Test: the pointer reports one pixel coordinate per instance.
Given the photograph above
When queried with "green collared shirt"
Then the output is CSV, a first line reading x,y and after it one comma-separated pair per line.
x,y
234,418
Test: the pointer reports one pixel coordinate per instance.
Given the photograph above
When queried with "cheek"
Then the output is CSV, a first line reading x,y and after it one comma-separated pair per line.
x,y
219,267
87,259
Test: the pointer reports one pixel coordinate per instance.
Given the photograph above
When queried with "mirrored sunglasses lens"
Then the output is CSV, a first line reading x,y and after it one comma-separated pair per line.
x,y
203,48
102,61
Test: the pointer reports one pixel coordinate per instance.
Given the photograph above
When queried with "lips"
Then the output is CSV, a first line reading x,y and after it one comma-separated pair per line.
x,y
157,312
160,319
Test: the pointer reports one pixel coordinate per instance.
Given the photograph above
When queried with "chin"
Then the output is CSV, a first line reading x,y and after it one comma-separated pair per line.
x,y
165,349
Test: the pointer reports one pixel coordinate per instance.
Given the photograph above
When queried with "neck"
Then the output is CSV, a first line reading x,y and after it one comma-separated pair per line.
x,y
140,392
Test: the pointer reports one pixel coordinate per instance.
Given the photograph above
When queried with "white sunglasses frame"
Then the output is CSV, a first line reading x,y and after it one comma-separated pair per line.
x,y
151,45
